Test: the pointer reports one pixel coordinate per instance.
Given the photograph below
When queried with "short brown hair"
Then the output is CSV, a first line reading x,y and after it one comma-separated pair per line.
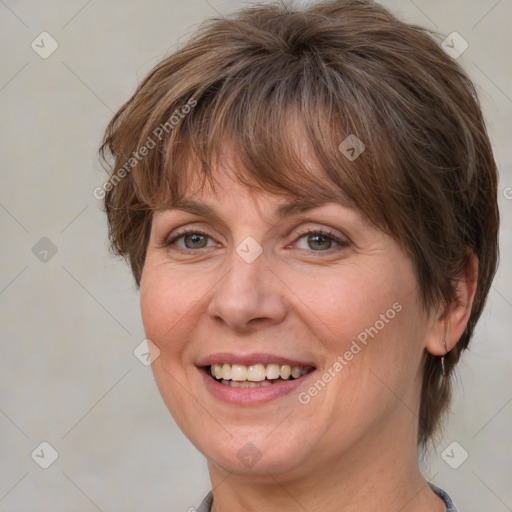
x,y
427,175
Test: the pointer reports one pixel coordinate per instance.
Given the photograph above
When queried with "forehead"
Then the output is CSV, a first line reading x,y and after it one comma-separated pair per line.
x,y
228,178
298,177
229,200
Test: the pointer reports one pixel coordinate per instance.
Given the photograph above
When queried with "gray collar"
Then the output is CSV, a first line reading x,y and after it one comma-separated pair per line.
x,y
206,504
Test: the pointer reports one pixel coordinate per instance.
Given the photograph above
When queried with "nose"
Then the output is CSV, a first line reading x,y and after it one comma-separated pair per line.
x,y
249,296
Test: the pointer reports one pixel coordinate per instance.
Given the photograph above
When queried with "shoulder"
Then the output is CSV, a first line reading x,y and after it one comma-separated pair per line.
x,y
206,504
450,505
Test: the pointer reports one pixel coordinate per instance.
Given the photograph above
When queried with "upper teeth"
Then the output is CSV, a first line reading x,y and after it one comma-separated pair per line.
x,y
256,372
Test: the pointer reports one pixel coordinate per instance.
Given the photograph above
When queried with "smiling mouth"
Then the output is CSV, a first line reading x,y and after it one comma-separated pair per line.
x,y
256,375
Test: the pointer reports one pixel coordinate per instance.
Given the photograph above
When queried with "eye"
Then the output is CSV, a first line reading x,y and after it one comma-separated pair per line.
x,y
321,240
318,240
191,240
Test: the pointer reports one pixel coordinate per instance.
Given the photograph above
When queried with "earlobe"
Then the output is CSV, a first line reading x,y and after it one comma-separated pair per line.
x,y
449,323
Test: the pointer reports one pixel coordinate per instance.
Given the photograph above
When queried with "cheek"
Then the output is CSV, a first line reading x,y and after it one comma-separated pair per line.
x,y
370,317
168,303
345,304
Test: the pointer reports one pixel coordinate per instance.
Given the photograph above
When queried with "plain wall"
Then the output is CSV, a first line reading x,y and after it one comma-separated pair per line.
x,y
69,326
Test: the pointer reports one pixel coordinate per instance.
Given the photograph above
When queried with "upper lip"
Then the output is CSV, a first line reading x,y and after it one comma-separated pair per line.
x,y
250,359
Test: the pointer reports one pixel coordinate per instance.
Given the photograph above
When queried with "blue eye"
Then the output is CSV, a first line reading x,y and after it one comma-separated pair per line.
x,y
321,240
192,240
317,240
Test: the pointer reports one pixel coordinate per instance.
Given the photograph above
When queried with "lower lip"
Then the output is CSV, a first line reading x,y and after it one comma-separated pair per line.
x,y
251,396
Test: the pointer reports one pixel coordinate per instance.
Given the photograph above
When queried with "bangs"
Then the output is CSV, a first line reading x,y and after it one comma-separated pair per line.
x,y
277,125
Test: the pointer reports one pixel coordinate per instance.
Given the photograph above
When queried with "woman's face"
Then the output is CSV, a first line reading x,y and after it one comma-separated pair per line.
x,y
235,281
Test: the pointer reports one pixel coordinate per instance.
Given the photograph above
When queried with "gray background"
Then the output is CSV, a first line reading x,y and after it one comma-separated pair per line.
x,y
69,326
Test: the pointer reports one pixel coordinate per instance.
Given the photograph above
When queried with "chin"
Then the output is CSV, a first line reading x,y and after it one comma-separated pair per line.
x,y
256,451
250,460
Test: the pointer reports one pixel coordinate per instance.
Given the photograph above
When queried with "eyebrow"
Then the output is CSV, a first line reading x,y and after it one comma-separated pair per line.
x,y
282,211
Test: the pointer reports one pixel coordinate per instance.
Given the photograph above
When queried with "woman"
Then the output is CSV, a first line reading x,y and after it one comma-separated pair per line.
x,y
307,200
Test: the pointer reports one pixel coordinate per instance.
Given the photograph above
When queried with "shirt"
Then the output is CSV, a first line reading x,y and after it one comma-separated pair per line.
x,y
206,504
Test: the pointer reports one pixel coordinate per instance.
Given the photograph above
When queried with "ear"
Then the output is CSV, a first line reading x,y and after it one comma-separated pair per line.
x,y
448,324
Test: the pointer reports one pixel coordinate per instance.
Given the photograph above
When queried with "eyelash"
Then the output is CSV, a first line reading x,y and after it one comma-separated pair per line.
x,y
322,232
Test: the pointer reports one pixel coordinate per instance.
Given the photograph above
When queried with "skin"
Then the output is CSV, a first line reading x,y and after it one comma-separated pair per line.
x,y
355,442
